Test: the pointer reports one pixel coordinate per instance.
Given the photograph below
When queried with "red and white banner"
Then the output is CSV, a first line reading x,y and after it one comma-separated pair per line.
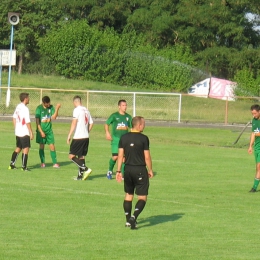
x,y
201,89
222,89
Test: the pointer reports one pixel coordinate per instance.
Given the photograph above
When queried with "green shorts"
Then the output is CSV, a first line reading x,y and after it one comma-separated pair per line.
x,y
114,146
48,139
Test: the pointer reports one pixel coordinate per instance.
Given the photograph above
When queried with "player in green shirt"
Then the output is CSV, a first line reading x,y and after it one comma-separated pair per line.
x,y
255,142
44,134
121,123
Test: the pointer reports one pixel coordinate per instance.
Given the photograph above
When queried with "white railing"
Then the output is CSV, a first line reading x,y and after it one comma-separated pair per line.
x,y
150,105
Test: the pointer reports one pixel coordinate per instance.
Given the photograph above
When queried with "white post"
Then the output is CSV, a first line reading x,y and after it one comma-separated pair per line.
x,y
8,94
134,112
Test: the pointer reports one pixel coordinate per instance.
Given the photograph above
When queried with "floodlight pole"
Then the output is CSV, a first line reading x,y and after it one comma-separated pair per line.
x,y
10,68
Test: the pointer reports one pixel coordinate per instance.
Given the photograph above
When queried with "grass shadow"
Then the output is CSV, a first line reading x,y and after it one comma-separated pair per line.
x,y
158,219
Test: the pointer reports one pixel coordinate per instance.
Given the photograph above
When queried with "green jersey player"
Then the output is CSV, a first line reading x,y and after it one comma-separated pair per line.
x,y
44,135
255,142
120,122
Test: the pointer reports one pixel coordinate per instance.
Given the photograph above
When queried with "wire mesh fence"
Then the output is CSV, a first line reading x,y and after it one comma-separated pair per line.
x,y
168,107
152,106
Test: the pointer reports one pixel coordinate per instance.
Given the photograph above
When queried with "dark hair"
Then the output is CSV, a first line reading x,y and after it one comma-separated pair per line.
x,y
46,99
77,97
121,101
255,107
23,96
136,120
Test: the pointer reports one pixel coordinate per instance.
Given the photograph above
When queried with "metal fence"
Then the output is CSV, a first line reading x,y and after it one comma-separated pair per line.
x,y
169,107
152,106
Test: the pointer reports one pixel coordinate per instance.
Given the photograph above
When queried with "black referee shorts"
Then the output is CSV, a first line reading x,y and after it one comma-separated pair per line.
x,y
136,180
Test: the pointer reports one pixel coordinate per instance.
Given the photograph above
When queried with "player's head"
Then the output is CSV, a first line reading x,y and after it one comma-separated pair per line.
x,y
122,106
77,101
46,101
24,97
255,110
138,123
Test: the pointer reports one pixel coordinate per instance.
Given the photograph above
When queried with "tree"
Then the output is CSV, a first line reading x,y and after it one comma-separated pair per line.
x,y
36,17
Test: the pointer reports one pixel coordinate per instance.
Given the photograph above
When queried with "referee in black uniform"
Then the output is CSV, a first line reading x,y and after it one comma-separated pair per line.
x,y
134,146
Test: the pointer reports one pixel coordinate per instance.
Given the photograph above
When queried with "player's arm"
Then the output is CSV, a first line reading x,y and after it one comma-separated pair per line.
x,y
251,143
148,161
56,113
30,130
119,164
14,122
90,125
38,125
72,129
108,135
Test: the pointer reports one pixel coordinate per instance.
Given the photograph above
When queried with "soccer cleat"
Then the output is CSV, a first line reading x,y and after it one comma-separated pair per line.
x,y
109,175
252,190
12,167
127,224
132,222
77,179
56,165
86,174
25,169
43,165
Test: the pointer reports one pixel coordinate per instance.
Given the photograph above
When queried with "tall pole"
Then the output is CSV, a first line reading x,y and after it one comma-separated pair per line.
x,y
8,94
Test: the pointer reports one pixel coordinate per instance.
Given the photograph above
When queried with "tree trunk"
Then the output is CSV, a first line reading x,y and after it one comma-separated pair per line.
x,y
20,64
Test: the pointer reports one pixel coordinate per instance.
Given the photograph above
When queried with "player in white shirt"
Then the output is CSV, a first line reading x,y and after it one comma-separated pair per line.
x,y
81,125
23,132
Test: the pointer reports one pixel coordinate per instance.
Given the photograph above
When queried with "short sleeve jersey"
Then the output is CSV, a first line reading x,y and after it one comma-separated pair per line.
x,y
44,114
22,117
83,120
256,128
120,124
134,145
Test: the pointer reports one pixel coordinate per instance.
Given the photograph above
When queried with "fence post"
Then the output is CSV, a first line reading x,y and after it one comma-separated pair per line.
x,y
41,96
226,112
134,111
87,99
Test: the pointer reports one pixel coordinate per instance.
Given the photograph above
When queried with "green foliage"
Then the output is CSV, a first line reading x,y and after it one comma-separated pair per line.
x,y
218,34
247,84
81,51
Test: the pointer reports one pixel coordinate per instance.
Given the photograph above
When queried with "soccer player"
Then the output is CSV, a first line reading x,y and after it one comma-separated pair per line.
x,y
44,115
121,123
23,132
81,125
255,141
138,169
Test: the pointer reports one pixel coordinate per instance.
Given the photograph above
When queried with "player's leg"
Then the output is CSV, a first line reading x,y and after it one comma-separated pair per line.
x,y
113,159
257,175
53,156
83,153
15,154
127,206
129,195
26,144
41,141
141,181
75,154
50,141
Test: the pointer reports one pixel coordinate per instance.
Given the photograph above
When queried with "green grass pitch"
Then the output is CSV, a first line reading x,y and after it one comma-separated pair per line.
x,y
199,206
